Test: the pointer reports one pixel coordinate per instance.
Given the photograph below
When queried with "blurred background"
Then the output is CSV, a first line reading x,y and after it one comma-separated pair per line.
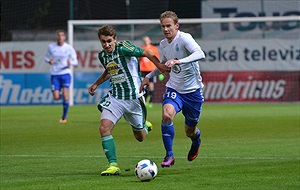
x,y
246,61
29,20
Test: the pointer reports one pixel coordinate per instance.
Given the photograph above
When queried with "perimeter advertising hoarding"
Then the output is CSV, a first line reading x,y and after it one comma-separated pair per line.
x,y
232,72
23,89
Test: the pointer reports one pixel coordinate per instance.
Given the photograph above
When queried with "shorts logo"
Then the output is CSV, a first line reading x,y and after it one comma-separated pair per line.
x,y
176,69
112,68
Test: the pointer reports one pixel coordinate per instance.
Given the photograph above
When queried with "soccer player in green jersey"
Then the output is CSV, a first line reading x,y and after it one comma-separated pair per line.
x,y
120,60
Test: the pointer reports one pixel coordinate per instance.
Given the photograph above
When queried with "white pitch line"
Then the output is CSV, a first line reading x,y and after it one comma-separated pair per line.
x,y
177,157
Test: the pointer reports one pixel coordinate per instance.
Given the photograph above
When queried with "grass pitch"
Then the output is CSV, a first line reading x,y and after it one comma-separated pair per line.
x,y
244,146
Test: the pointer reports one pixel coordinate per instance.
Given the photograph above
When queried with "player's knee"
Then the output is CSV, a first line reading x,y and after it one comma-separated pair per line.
x,y
56,98
166,117
168,113
140,138
104,131
190,131
189,134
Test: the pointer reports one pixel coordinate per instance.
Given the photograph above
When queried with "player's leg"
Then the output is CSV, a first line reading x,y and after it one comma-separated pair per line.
x,y
153,80
65,83
65,103
140,135
143,74
112,111
107,123
135,115
171,106
105,129
55,87
192,107
56,94
150,94
167,130
141,131
194,134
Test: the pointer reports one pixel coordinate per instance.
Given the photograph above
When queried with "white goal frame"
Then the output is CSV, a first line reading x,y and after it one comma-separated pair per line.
x,y
72,23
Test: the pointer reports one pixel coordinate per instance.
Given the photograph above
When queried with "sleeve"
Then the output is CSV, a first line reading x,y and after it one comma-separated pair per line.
x,y
48,55
191,45
100,58
163,58
73,56
131,50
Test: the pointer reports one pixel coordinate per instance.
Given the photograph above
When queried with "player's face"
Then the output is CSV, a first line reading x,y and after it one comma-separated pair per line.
x,y
61,37
169,28
108,43
147,41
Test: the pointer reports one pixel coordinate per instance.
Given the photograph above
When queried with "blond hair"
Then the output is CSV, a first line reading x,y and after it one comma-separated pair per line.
x,y
169,14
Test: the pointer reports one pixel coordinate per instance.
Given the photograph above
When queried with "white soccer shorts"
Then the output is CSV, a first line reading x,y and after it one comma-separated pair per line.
x,y
134,111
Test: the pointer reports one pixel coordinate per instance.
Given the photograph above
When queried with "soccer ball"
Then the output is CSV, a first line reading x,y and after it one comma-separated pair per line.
x,y
145,170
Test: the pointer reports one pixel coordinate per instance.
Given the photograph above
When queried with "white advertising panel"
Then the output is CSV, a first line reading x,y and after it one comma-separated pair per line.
x,y
251,55
28,57
222,55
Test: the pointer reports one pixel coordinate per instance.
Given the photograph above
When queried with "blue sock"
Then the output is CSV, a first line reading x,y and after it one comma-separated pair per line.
x,y
65,108
196,139
167,130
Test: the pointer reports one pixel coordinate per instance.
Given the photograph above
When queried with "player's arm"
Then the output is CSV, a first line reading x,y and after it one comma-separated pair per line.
x,y
73,57
150,55
145,82
48,56
104,77
131,50
155,72
191,45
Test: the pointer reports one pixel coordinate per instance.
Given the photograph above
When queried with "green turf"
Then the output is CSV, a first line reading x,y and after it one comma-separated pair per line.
x,y
244,146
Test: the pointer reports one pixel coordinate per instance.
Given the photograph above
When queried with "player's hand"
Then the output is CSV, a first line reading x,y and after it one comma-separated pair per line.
x,y
145,84
163,68
172,62
51,62
92,89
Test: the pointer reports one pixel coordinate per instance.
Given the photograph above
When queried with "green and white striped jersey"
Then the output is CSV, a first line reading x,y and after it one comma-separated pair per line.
x,y
124,69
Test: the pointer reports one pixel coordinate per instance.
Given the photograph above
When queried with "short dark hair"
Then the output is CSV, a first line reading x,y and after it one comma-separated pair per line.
x,y
59,31
107,30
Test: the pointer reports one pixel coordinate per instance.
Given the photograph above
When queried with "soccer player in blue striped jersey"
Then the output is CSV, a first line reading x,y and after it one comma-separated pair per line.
x,y
184,88
61,56
120,60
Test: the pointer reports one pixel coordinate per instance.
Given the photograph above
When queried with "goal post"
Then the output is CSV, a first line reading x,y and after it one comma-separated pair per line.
x,y
192,21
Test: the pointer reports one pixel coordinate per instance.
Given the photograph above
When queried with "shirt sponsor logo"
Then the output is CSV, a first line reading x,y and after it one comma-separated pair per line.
x,y
118,78
112,68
